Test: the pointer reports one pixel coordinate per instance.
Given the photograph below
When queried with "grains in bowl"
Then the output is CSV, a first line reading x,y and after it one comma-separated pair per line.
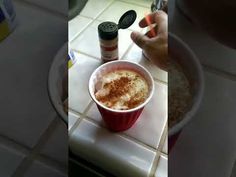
x,y
179,94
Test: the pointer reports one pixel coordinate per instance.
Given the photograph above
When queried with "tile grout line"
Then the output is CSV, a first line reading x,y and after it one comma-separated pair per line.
x,y
163,137
14,145
75,112
155,164
131,45
91,18
94,19
160,81
23,149
122,58
154,78
164,154
78,121
133,3
45,9
138,142
127,51
58,166
78,33
109,5
122,135
86,26
25,164
86,167
159,151
93,57
127,137
219,72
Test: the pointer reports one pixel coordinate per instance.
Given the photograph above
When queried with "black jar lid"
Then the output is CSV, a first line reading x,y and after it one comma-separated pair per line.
x,y
109,30
127,19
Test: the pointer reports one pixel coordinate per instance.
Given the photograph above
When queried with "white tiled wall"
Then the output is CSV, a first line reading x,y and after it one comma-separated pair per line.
x,y
135,151
93,8
26,56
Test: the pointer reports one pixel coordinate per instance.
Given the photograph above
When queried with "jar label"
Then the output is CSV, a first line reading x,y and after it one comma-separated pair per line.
x,y
109,53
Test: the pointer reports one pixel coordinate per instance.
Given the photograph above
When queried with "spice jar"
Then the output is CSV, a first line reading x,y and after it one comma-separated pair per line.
x,y
108,35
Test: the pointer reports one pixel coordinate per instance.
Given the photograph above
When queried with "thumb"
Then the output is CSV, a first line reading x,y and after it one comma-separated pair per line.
x,y
139,39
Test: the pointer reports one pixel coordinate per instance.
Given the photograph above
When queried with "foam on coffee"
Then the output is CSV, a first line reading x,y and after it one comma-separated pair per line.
x,y
121,90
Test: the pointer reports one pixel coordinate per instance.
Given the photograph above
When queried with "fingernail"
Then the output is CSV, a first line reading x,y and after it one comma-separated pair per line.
x,y
133,35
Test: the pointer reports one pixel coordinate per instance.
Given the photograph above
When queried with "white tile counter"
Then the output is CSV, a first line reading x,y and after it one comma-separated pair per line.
x,y
140,151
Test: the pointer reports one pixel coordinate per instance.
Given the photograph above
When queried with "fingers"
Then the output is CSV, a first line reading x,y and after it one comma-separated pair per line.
x,y
139,39
151,33
144,22
162,22
154,17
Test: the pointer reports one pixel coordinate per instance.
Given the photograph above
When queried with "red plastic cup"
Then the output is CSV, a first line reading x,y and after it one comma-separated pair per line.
x,y
119,120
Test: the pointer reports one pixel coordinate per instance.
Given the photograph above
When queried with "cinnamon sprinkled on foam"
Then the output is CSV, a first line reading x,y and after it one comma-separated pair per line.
x,y
122,90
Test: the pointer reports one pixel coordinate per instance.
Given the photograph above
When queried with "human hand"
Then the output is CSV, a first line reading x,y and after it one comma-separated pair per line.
x,y
154,48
